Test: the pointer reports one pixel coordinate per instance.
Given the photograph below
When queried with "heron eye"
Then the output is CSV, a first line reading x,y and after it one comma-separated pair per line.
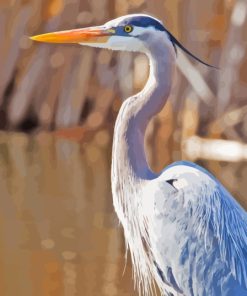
x,y
128,29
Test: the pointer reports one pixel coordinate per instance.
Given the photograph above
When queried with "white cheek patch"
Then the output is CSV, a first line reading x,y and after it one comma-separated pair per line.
x,y
125,43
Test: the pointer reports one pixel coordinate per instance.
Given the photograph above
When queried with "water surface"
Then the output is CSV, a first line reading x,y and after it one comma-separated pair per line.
x,y
58,231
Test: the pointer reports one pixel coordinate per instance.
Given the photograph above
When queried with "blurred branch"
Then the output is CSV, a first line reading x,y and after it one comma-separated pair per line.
x,y
195,78
232,56
22,96
220,150
227,120
190,116
11,46
73,94
37,71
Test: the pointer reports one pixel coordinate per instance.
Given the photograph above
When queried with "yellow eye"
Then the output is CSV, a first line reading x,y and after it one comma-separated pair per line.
x,y
128,29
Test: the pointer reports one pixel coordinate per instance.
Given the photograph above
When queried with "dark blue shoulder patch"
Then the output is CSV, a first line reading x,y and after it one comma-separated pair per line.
x,y
144,21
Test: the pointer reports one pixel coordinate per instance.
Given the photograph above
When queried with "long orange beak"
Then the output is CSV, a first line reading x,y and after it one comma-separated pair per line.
x,y
86,35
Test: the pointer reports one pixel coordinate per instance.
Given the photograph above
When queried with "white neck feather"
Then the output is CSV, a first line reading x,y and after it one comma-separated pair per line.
x,y
128,145
129,165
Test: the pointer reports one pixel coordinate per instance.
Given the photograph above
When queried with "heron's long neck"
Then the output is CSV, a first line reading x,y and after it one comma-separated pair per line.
x,y
129,158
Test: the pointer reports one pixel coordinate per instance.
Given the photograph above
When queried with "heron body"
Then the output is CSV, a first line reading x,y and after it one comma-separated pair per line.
x,y
184,230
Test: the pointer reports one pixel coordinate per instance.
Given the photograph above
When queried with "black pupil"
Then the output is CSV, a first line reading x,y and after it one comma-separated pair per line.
x,y
128,28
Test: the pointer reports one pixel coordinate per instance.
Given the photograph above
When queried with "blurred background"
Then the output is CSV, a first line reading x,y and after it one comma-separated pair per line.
x,y
59,234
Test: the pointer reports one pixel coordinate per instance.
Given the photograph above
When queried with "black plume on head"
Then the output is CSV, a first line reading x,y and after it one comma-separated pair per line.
x,y
145,21
175,43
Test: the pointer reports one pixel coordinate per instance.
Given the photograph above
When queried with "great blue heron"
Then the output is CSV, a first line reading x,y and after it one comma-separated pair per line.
x,y
185,232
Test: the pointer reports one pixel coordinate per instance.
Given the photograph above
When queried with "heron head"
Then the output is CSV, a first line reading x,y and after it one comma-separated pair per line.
x,y
134,32
128,33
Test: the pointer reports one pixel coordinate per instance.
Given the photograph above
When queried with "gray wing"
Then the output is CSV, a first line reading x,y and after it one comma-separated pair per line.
x,y
199,234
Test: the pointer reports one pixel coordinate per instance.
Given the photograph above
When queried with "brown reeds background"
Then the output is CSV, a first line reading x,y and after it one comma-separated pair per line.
x,y
58,232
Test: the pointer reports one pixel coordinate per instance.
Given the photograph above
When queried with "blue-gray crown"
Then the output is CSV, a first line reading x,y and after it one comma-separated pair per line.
x,y
143,21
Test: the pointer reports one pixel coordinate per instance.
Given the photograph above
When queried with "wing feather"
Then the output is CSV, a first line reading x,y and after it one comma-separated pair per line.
x,y
216,222
217,210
